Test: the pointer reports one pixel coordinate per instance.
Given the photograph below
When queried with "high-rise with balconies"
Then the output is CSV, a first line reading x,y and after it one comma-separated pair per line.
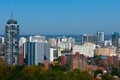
x,y
11,42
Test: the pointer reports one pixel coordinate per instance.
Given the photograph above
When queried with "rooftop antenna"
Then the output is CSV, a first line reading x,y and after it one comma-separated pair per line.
x,y
11,14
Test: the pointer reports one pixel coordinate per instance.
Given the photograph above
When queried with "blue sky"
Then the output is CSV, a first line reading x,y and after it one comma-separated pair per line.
x,y
62,16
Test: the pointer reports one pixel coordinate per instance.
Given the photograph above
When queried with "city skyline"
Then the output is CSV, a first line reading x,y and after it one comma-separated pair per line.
x,y
62,16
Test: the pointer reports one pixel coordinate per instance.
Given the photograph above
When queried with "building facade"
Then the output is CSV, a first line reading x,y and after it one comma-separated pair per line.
x,y
89,38
76,61
37,52
53,42
100,36
87,49
115,40
22,40
11,43
37,38
105,51
2,40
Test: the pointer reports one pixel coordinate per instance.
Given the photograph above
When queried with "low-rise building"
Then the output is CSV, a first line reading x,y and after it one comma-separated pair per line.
x,y
105,51
53,54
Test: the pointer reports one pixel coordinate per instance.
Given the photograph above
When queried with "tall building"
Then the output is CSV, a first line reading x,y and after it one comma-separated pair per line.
x,y
11,42
89,38
37,52
100,36
115,40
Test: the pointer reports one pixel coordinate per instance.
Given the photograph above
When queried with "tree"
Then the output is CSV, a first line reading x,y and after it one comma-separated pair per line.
x,y
60,68
1,62
96,72
73,75
108,77
78,75
14,72
97,59
103,63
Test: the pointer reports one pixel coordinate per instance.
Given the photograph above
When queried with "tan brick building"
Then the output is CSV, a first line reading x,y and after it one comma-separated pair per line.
x,y
105,51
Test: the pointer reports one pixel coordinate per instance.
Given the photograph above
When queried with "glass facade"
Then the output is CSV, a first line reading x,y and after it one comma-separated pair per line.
x,y
11,43
115,40
36,51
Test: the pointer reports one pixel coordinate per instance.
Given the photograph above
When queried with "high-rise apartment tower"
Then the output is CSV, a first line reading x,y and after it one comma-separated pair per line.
x,y
11,42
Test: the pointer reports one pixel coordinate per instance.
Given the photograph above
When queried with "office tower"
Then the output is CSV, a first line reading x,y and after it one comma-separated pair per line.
x,y
115,40
100,36
37,52
11,42
89,38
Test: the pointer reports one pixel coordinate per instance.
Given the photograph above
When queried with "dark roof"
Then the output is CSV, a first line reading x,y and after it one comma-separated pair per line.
x,y
12,21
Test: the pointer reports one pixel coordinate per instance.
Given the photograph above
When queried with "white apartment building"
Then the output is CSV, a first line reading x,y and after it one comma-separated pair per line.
x,y
86,49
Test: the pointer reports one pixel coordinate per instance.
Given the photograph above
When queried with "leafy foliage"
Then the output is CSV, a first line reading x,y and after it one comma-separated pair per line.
x,y
96,72
108,77
24,72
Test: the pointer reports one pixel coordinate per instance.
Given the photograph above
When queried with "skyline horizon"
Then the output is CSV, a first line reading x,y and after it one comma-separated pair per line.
x,y
108,34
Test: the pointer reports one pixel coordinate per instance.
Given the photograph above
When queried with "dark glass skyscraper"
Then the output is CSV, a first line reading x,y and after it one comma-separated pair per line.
x,y
11,42
115,40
